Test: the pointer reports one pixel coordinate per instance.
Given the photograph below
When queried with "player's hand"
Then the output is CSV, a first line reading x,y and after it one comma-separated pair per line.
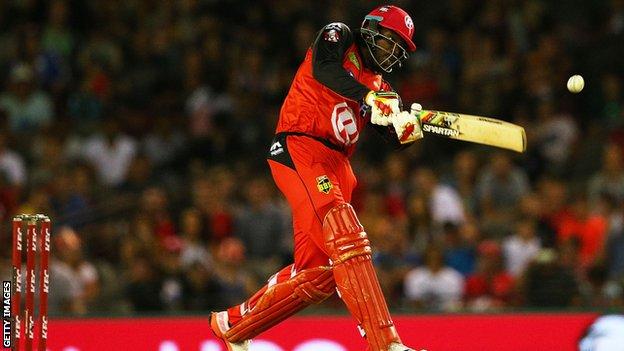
x,y
407,125
384,106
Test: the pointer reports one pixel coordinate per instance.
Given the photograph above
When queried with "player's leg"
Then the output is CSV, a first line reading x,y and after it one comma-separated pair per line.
x,y
329,182
309,280
346,242
286,293
355,276
278,301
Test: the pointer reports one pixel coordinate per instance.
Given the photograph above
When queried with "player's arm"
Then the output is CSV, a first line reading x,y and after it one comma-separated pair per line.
x,y
328,52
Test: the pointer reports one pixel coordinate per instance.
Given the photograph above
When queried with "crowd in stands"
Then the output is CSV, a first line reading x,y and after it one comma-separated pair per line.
x,y
141,128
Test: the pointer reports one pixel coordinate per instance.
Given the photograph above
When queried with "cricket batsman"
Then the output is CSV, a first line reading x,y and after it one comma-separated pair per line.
x,y
336,92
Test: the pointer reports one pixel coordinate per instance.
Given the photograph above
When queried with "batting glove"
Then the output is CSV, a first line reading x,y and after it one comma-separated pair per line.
x,y
384,106
407,125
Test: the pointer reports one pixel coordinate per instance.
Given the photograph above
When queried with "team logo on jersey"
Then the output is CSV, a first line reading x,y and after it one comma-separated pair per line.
x,y
323,184
344,124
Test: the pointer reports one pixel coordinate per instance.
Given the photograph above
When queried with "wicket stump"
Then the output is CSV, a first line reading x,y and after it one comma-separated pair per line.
x,y
34,244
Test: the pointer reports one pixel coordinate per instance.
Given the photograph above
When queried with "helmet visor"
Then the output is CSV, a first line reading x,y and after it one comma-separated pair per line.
x,y
385,51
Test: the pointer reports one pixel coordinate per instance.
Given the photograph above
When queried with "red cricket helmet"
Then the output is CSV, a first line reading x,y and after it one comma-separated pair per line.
x,y
395,19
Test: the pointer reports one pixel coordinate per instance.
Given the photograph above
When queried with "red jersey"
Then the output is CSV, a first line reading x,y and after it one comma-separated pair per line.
x,y
313,108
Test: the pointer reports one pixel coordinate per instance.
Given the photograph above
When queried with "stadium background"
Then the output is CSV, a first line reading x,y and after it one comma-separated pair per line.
x,y
141,127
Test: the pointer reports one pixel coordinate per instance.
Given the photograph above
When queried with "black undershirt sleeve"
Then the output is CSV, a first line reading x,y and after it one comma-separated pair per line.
x,y
328,52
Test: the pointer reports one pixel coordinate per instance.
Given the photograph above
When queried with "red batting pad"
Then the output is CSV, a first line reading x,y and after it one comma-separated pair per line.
x,y
282,300
356,280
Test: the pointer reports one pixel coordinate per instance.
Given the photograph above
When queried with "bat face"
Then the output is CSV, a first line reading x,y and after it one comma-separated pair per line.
x,y
476,129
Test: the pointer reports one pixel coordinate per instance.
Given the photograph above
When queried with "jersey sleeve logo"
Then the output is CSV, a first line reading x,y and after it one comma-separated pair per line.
x,y
332,32
331,35
354,60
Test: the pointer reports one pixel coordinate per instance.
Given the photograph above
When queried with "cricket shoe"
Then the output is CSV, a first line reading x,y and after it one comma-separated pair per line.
x,y
395,346
219,325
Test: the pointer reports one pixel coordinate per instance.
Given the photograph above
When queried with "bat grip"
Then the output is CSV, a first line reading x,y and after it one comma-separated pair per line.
x,y
415,109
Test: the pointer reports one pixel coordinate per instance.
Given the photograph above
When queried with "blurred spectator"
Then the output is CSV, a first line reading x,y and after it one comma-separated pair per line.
x,y
586,226
460,251
236,282
520,248
434,286
170,266
194,250
164,143
391,254
396,186
28,109
547,283
143,289
464,178
420,226
74,280
37,200
600,291
57,37
444,201
71,198
533,208
12,165
609,180
12,178
48,157
614,245
260,226
500,188
212,193
57,42
556,210
556,133
612,105
155,206
110,153
139,177
491,286
200,289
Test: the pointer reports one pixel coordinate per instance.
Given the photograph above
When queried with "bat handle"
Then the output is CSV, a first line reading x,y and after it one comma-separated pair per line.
x,y
415,109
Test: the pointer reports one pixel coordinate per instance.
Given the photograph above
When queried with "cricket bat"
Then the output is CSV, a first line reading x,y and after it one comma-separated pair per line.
x,y
475,129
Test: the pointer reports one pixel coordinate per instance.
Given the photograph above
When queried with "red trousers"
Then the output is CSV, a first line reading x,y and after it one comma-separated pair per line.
x,y
314,178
